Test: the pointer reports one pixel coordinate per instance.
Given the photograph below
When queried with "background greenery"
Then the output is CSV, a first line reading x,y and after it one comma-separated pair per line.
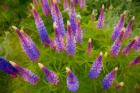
x,y
17,12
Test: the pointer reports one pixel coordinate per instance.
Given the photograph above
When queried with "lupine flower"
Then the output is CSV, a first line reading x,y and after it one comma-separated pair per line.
x,y
70,40
101,18
119,26
109,78
137,43
72,16
89,47
135,61
129,27
59,42
128,48
51,77
41,28
26,74
57,16
27,44
119,85
96,67
7,67
115,49
72,81
79,32
45,7
82,3
36,3
66,6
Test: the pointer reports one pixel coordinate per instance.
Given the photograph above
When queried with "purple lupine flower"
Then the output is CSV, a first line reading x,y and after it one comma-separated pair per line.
x,y
57,17
70,40
45,7
89,47
41,29
115,49
72,16
72,81
135,61
79,33
137,44
26,74
66,6
96,67
118,26
119,85
27,44
51,77
7,67
59,42
101,18
82,3
109,78
129,27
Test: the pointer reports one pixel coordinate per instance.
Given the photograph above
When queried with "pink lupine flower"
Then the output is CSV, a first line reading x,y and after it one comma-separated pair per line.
x,y
26,74
27,44
109,78
89,47
36,3
101,18
72,81
51,77
135,61
45,7
82,3
66,6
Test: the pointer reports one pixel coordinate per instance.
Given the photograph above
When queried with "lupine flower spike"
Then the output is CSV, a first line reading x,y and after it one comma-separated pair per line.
x,y
96,67
59,42
26,74
135,61
41,28
119,85
89,47
27,44
119,26
66,6
109,78
101,18
36,3
51,77
129,27
137,43
6,67
70,40
115,49
45,7
79,32
82,3
72,81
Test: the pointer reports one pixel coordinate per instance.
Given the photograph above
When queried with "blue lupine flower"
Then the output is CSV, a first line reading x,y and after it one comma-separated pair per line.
x,y
135,61
7,67
41,29
26,74
101,18
109,78
51,77
72,81
45,7
70,41
27,44
89,46
96,67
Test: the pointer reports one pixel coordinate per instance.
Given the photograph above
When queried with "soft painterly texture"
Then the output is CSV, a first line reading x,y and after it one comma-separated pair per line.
x,y
51,77
109,78
82,3
7,67
65,4
137,43
89,47
28,45
26,74
72,81
119,85
45,7
135,61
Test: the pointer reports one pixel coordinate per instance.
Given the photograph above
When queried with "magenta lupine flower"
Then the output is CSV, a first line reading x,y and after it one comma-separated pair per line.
x,y
118,26
101,18
66,6
115,49
6,67
89,47
51,77
129,27
72,16
109,78
70,40
119,85
27,44
82,3
135,61
45,7
72,81
137,43
96,67
59,42
79,32
26,74
41,29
